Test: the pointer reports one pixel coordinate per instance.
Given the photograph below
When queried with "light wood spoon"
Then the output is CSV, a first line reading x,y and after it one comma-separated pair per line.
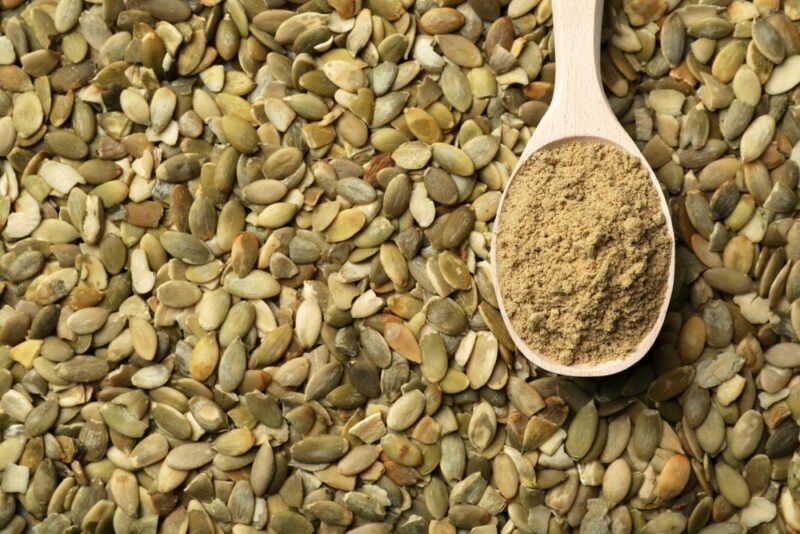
x,y
579,109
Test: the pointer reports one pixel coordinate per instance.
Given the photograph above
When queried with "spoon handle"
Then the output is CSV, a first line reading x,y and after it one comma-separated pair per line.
x,y
579,107
576,29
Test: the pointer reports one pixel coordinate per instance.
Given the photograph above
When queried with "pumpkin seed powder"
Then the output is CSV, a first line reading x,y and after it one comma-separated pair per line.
x,y
583,274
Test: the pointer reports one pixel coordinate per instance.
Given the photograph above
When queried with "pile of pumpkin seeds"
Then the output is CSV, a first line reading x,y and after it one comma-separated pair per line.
x,y
245,282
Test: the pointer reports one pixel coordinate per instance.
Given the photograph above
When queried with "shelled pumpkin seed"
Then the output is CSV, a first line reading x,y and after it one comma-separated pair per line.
x,y
246,287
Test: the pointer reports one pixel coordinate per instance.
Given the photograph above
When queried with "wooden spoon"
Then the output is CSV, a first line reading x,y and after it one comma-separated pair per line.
x,y
579,110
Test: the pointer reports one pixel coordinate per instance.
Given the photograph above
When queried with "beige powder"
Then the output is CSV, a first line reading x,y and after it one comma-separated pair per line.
x,y
582,252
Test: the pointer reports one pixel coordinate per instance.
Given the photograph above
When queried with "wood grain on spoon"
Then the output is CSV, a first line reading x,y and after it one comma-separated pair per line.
x,y
579,109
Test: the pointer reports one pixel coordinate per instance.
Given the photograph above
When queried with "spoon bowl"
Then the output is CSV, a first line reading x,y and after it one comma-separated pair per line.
x,y
579,111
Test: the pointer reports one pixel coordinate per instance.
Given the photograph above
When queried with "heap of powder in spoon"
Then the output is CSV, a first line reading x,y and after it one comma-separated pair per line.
x,y
583,252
